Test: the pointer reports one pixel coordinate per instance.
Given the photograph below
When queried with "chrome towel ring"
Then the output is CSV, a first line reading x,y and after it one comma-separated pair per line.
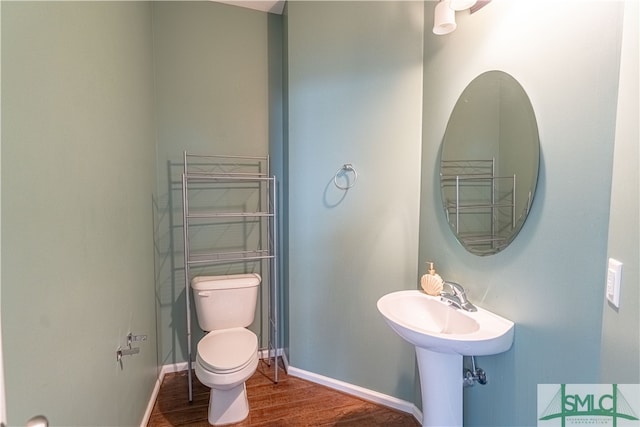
x,y
346,168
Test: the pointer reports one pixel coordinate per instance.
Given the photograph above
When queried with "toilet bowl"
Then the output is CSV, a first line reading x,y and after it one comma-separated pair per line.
x,y
225,360
228,355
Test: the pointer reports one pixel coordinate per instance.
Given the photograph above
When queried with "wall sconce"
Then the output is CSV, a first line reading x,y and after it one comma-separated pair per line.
x,y
444,20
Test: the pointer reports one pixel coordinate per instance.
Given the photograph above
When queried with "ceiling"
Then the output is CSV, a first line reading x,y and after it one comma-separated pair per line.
x,y
271,6
277,6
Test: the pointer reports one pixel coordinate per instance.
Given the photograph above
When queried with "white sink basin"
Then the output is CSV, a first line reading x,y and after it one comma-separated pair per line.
x,y
429,323
442,335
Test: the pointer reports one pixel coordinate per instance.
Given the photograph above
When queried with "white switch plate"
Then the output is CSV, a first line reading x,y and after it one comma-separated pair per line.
x,y
614,276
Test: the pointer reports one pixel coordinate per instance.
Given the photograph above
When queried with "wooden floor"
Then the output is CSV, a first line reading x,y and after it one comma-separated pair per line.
x,y
291,402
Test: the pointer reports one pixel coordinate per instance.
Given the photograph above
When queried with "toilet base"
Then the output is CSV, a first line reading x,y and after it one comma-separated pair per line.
x,y
228,406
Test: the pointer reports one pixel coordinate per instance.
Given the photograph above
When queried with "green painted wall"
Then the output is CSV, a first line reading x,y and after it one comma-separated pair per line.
x,y
78,164
354,96
77,180
79,138
218,91
3,401
620,352
550,281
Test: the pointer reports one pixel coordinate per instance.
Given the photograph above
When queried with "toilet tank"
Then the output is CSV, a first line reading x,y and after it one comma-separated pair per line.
x,y
224,302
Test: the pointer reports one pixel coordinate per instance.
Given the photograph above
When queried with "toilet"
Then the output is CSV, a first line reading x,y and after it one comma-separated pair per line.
x,y
228,355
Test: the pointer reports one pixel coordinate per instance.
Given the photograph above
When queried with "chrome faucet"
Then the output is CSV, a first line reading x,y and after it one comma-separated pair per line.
x,y
457,297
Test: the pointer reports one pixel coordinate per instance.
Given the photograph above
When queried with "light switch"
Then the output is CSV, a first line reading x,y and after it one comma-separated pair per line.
x,y
614,275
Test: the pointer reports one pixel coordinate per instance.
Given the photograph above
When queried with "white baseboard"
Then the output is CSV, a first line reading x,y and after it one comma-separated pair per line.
x,y
263,354
361,392
164,370
354,390
152,402
174,367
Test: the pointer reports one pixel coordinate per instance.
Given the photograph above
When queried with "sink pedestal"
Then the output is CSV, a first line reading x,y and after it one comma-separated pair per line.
x,y
441,387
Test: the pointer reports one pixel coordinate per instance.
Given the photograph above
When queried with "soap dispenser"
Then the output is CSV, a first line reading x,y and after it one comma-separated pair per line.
x,y
431,282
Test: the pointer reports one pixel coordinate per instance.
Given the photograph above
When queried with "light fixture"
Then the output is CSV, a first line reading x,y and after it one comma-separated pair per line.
x,y
462,4
444,20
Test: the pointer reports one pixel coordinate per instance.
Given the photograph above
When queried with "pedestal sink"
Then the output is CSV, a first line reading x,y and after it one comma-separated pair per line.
x,y
443,334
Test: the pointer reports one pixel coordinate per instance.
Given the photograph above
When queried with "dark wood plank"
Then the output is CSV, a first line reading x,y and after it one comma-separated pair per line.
x,y
292,402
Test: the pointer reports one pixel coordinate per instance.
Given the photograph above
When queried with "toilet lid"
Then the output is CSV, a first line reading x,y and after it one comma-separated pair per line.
x,y
228,350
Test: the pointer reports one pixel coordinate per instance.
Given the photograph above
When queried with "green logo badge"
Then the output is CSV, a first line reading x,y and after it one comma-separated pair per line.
x,y
588,404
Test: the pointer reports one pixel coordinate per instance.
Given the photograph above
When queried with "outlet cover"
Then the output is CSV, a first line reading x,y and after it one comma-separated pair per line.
x,y
614,277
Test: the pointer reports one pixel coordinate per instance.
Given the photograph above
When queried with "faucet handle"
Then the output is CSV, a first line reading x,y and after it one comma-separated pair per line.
x,y
460,294
456,288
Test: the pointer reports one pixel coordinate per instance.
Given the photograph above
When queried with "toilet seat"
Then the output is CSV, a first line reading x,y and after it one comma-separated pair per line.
x,y
226,351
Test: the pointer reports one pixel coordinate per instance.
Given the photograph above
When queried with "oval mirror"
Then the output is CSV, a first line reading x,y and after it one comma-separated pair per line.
x,y
489,163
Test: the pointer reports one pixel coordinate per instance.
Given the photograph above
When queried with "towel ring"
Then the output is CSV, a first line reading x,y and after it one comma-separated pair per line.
x,y
347,167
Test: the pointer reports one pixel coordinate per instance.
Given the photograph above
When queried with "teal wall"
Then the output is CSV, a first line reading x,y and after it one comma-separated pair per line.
x,y
620,355
218,91
551,280
77,180
3,401
87,88
354,96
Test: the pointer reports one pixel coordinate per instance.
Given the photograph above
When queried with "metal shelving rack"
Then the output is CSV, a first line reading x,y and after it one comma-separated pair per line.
x,y
471,188
207,177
